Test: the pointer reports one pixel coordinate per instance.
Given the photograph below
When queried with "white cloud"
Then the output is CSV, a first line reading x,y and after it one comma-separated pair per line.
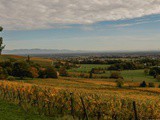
x,y
44,14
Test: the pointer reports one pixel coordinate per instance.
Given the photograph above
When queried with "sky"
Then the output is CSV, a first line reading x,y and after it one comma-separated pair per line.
x,y
99,25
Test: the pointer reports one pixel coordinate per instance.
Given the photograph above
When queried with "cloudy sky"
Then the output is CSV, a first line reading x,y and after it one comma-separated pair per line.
x,y
81,24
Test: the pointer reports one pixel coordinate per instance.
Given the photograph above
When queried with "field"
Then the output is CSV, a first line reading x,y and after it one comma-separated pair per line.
x,y
129,75
75,97
41,61
10,111
103,93
87,67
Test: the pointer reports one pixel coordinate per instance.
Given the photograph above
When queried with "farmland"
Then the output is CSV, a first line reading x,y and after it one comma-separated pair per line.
x,y
78,96
94,92
129,75
42,61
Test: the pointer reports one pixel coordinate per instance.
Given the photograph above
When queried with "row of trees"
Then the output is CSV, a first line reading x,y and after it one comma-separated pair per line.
x,y
95,61
126,66
24,69
66,64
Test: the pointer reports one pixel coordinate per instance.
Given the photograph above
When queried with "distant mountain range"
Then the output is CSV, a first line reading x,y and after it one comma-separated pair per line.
x,y
41,51
66,51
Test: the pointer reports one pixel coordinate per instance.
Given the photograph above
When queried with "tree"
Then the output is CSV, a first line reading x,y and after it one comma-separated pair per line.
x,y
154,71
158,78
42,73
7,65
34,72
1,41
120,83
1,28
143,84
21,69
51,73
3,73
91,73
63,71
116,75
28,58
151,84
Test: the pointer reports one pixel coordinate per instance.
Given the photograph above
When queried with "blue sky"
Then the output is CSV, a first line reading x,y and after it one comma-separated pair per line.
x,y
107,34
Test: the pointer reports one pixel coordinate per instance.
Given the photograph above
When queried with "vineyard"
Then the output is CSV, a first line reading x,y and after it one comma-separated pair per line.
x,y
96,101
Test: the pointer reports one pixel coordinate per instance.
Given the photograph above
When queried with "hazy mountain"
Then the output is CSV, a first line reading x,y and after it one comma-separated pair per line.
x,y
41,51
65,51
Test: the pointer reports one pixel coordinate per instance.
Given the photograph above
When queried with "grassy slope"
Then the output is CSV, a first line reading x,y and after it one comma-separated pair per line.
x,y
9,111
41,61
100,87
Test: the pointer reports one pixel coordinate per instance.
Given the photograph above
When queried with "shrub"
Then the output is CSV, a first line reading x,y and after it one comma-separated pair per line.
x,y
154,71
51,73
63,71
42,73
120,83
91,73
21,69
158,78
151,84
34,72
116,75
143,84
3,73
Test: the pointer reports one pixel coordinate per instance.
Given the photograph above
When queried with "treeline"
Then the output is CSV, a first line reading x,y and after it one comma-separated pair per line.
x,y
126,66
149,62
66,64
21,69
98,61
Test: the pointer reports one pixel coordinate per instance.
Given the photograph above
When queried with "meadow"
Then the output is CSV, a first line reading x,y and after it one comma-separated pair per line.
x,y
129,75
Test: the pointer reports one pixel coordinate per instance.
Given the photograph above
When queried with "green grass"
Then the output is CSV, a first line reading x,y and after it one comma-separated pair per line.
x,y
9,111
87,67
137,76
129,75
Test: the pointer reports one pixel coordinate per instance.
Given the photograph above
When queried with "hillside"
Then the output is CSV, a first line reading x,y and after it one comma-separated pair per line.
x,y
71,91
42,61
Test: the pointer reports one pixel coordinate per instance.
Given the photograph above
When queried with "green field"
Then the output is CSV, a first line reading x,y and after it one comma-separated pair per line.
x,y
129,75
137,76
134,76
87,67
10,111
